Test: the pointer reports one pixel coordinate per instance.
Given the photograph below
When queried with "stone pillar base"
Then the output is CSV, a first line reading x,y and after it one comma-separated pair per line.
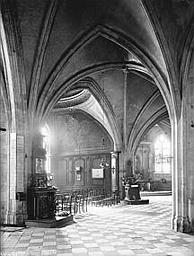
x,y
181,224
15,218
10,218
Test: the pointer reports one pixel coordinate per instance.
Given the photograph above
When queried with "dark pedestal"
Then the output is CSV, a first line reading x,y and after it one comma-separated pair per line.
x,y
132,195
41,209
136,202
41,203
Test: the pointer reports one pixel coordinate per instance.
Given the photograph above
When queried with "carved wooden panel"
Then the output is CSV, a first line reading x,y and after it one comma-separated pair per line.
x,y
67,178
63,172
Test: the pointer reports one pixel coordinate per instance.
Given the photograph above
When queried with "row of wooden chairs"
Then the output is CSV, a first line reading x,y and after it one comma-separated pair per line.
x,y
107,200
68,204
74,202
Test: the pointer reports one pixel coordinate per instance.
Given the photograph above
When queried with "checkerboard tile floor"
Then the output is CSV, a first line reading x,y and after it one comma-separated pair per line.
x,y
142,230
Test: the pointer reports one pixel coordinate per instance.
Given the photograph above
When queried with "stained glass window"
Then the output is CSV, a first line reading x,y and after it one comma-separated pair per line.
x,y
162,155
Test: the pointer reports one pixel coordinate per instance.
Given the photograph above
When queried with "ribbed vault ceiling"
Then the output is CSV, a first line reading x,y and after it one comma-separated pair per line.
x,y
75,54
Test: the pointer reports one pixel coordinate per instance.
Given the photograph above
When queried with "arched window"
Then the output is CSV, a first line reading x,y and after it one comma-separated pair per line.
x,y
162,155
46,146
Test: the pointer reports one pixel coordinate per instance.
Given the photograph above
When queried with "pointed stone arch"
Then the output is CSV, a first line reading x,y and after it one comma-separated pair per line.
x,y
112,128
118,38
154,119
171,66
132,135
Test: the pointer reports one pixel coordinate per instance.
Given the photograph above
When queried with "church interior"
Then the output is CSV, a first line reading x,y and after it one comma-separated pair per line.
x,y
96,116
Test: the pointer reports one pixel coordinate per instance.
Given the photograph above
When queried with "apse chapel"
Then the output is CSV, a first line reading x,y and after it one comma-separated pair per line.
x,y
94,92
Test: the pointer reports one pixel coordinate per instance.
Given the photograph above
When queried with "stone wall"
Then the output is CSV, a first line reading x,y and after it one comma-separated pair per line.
x,y
77,140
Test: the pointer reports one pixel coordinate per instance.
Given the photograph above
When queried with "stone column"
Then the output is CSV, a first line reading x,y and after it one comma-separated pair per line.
x,y
133,163
190,158
180,219
11,214
21,184
125,72
190,177
15,189
151,162
115,170
183,161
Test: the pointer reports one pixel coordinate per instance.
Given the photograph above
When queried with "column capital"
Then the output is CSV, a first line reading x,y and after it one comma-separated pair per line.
x,y
115,153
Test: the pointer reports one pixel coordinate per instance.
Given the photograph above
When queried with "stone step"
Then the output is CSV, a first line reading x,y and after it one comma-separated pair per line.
x,y
50,223
155,193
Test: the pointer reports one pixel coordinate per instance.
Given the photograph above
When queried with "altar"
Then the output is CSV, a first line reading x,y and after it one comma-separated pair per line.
x,y
132,192
41,194
41,204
